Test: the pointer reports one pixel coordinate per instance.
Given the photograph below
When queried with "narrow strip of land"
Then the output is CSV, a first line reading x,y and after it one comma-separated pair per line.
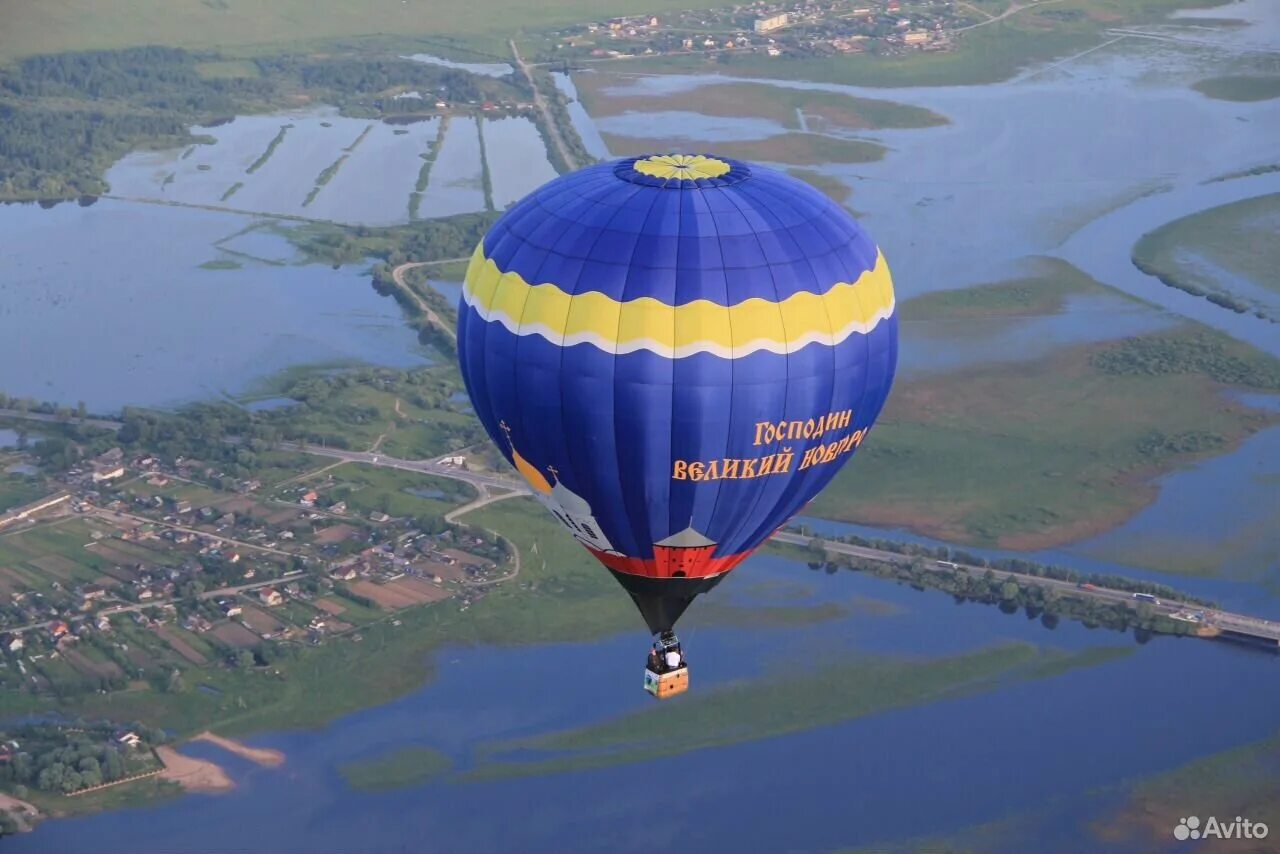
x,y
540,104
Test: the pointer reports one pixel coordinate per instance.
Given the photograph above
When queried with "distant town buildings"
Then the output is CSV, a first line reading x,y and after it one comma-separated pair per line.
x,y
774,22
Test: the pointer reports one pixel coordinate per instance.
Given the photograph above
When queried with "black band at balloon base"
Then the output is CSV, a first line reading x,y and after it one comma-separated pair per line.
x,y
662,600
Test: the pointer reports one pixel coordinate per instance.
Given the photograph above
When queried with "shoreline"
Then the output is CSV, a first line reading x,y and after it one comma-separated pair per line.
x,y
263,756
204,775
193,775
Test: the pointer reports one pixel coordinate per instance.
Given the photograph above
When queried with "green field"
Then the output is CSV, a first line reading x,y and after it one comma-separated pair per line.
x,y
757,100
776,704
367,489
793,148
17,490
1239,237
400,769
1241,87
60,25
1050,450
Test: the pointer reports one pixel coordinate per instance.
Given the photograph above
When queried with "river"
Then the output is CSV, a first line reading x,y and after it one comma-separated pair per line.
x,y
1058,162
1073,742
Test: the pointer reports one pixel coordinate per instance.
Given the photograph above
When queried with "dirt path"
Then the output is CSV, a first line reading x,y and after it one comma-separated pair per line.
x,y
194,775
540,104
264,756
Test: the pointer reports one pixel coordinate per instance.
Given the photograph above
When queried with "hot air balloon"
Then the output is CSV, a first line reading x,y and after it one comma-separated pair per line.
x,y
677,352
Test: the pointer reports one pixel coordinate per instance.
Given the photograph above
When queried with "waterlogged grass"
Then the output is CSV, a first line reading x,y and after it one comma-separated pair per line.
x,y
221,264
1242,87
271,147
793,148
833,188
327,174
1239,237
774,705
400,769
1044,292
486,179
821,110
1244,781
1051,450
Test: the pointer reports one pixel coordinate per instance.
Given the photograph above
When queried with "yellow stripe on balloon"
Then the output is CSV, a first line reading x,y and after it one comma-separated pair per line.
x,y
701,326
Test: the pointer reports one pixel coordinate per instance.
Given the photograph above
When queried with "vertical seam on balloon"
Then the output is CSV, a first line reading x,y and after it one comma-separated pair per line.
x,y
733,534
648,533
795,484
715,504
618,207
671,420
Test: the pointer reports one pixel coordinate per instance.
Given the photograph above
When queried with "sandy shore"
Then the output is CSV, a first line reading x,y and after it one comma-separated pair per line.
x,y
263,756
24,813
194,775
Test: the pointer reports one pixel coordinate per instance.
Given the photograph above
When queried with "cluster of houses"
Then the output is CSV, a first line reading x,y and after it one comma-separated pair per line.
x,y
773,28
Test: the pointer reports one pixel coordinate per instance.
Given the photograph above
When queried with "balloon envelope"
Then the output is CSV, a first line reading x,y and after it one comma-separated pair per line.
x,y
678,353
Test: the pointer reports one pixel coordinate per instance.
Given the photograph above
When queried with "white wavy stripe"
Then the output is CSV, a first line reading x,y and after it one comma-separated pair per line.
x,y
635,345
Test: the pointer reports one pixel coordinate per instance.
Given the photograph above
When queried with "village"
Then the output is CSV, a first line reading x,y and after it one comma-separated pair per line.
x,y
139,572
883,27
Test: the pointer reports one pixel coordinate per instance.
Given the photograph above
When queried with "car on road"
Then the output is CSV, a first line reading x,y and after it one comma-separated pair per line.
x,y
1146,597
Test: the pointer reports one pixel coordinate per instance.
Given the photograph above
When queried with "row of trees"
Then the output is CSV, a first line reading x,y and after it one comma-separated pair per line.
x,y
1018,565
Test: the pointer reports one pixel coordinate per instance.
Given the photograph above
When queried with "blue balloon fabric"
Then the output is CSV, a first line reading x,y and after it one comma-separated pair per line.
x,y
678,352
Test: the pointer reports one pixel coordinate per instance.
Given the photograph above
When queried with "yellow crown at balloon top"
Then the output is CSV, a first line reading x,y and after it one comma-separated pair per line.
x,y
685,167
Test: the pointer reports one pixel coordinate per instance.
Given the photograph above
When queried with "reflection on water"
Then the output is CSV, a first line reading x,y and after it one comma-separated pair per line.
x,y
456,182
966,757
519,164
107,305
488,69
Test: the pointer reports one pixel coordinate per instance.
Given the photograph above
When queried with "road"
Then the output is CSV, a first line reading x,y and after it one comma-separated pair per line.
x,y
114,610
432,317
1012,10
117,516
431,467
1215,618
540,103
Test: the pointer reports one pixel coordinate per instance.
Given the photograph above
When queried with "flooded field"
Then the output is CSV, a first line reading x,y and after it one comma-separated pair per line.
x,y
110,304
456,185
521,165
319,165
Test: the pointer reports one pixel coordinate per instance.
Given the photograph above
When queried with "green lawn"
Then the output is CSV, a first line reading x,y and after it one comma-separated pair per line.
x,y
1241,87
17,490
